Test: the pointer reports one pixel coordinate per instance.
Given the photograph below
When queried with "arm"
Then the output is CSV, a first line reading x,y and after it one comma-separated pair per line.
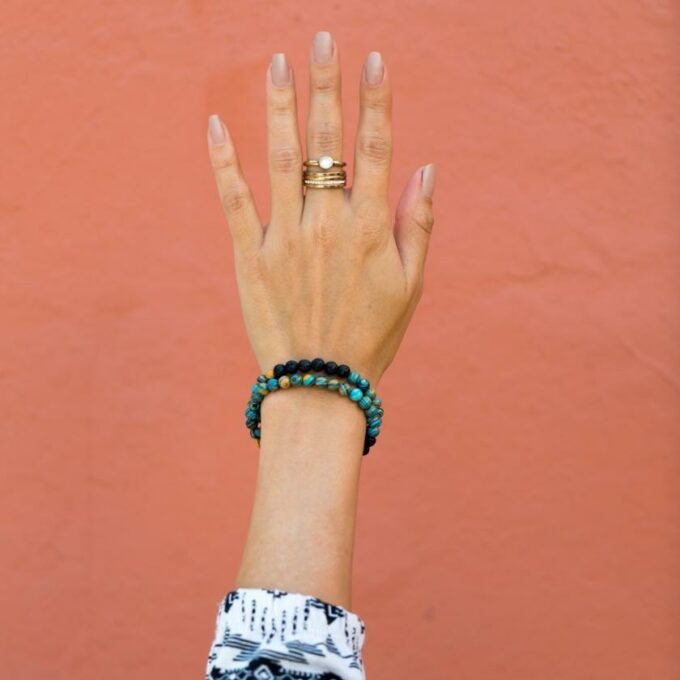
x,y
301,535
331,275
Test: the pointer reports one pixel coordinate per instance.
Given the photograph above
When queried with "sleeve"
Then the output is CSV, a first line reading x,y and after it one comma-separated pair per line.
x,y
263,634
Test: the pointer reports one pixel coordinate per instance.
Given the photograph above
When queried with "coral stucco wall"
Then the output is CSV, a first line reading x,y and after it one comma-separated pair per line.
x,y
524,503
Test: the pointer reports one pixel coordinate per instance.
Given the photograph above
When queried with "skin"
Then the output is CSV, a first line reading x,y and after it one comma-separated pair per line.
x,y
333,275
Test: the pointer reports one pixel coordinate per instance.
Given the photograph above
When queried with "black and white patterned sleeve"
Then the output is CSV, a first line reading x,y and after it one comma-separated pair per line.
x,y
263,634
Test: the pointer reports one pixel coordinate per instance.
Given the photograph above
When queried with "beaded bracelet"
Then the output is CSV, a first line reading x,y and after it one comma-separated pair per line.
x,y
299,374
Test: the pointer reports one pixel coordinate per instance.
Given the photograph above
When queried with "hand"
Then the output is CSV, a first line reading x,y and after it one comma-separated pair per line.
x,y
332,274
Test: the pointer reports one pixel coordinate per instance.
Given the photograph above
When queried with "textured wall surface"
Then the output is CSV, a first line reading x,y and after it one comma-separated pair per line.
x,y
523,505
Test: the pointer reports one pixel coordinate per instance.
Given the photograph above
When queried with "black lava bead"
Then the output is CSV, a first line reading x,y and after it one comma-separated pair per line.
x,y
318,364
279,370
342,371
304,365
291,367
331,367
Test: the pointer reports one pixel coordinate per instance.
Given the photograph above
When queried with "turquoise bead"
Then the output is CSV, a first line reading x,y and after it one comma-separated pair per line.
x,y
296,379
364,403
251,414
370,394
273,384
376,422
262,378
356,394
333,384
255,433
377,401
373,431
354,377
343,389
363,384
321,381
379,411
308,379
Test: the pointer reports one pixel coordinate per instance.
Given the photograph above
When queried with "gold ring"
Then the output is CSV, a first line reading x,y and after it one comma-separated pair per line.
x,y
324,162
324,173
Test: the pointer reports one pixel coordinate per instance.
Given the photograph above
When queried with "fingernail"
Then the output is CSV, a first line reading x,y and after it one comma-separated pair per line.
x,y
323,47
216,130
374,68
280,70
427,177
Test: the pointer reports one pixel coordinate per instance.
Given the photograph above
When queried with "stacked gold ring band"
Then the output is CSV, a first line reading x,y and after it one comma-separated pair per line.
x,y
325,162
323,173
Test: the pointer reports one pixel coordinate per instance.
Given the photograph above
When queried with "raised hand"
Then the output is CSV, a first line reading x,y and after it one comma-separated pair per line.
x,y
333,273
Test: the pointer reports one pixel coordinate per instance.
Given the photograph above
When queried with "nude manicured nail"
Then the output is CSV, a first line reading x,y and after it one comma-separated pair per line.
x,y
427,177
375,69
323,47
216,130
280,70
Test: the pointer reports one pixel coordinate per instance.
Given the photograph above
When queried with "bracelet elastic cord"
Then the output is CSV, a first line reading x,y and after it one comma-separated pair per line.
x,y
323,375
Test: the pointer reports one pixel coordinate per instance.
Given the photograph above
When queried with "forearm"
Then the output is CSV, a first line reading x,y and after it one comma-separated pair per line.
x,y
301,536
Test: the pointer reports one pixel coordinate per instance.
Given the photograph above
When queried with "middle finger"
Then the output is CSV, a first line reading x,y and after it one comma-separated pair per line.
x,y
324,125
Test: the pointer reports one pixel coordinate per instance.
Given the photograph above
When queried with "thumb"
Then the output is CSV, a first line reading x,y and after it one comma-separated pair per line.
x,y
414,222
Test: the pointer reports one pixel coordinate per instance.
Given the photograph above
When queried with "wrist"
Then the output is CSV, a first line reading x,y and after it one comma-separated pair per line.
x,y
293,417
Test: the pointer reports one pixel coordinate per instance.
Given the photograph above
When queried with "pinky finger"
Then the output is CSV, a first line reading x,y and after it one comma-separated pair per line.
x,y
414,222
235,195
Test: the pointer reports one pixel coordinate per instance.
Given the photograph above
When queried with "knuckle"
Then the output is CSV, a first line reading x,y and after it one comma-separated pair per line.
x,y
370,227
281,106
378,102
369,235
375,148
325,83
223,160
286,160
423,218
234,201
325,138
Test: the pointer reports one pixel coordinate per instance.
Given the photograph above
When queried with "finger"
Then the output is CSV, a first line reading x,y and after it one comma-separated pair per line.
x,y
414,222
237,200
373,151
285,153
324,125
